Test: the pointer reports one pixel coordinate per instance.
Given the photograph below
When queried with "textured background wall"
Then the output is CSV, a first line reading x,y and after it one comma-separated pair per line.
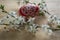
x,y
53,6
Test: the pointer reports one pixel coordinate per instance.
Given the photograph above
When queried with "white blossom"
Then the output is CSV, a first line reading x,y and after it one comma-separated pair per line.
x,y
45,26
32,28
31,20
46,29
1,21
12,13
21,19
13,18
52,18
58,22
50,31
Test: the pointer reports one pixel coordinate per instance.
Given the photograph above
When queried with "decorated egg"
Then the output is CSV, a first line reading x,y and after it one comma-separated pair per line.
x,y
29,9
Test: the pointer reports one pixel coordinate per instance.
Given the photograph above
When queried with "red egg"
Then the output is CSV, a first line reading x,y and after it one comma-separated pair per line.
x,y
29,10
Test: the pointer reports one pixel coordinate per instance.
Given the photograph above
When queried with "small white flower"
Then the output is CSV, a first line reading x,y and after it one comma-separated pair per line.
x,y
12,13
19,20
58,22
32,28
49,32
46,29
1,21
45,26
16,22
52,19
31,20
49,18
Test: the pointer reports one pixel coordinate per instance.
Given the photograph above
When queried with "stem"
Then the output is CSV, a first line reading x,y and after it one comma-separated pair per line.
x,y
46,11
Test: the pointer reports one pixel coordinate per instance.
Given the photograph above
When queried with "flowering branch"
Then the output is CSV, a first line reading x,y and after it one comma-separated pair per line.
x,y
2,8
13,19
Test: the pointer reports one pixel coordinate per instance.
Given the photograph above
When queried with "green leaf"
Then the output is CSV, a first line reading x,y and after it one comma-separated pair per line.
x,y
4,11
2,7
58,26
41,13
39,3
26,1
